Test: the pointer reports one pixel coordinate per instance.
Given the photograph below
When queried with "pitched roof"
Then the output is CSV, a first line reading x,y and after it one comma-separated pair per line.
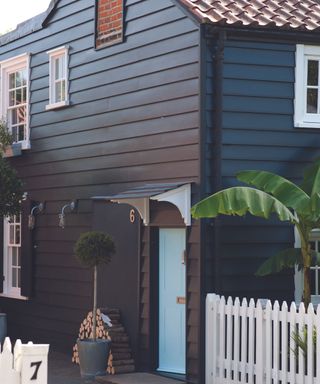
x,y
272,14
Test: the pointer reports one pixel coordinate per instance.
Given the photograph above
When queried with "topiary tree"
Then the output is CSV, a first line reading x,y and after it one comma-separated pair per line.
x,y
91,249
11,187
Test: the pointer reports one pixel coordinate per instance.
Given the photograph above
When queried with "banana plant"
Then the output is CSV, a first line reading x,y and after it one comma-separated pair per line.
x,y
268,194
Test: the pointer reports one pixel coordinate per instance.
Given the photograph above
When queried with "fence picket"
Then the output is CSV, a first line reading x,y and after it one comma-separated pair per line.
x,y
221,350
260,343
243,361
236,339
310,348
229,338
292,329
276,342
301,363
317,326
268,342
251,342
284,342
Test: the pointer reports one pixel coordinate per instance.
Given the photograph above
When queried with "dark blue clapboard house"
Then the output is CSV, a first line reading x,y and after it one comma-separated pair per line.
x,y
128,112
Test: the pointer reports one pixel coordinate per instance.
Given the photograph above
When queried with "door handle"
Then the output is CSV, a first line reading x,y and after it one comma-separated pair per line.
x,y
184,257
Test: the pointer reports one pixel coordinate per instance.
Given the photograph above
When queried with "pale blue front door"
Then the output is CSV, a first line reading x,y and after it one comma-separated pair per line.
x,y
172,296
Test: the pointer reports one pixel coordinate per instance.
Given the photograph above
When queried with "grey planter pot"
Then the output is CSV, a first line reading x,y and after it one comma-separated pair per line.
x,y
3,327
93,356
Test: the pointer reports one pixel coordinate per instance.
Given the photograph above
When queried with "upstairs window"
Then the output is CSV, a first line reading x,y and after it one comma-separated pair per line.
x,y
307,87
58,78
15,97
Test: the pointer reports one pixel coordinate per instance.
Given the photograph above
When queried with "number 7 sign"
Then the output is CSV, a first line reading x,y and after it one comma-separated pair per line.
x,y
34,359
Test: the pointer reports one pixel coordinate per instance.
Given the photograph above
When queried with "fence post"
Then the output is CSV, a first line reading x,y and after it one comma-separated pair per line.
x,y
34,363
212,338
7,373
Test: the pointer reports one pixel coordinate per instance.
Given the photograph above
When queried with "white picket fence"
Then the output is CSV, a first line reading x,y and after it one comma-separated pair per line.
x,y
26,364
253,343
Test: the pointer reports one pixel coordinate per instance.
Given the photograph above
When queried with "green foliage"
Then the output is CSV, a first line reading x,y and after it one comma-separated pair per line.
x,y
301,341
5,137
239,201
11,187
287,258
282,189
11,190
289,202
94,248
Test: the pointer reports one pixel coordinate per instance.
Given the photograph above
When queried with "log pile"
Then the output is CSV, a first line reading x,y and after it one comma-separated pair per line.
x,y
120,357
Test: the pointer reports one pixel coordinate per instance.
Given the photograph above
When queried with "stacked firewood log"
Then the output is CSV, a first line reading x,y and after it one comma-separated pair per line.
x,y
109,327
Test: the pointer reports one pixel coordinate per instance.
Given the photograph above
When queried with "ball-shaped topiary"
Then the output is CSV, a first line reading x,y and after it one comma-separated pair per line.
x,y
94,248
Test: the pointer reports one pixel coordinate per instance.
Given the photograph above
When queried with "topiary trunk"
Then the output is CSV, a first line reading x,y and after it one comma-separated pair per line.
x,y
94,311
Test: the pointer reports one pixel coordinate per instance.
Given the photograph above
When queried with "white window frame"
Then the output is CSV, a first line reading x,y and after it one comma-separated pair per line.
x,y
298,276
53,55
301,117
7,66
8,289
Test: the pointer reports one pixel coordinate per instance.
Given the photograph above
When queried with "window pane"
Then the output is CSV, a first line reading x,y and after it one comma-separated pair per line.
x,y
11,234
58,92
57,74
17,234
313,68
12,98
312,101
18,78
62,66
19,278
24,77
24,94
19,96
21,111
14,256
13,117
14,278
21,133
63,90
12,80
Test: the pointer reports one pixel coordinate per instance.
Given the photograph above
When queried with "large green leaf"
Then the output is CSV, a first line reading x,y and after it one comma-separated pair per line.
x,y
291,195
287,258
239,201
311,178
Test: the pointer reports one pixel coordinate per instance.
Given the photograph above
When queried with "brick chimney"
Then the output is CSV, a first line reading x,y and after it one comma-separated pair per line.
x,y
109,22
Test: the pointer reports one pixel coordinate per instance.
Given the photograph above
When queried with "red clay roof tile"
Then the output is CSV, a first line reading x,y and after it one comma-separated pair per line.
x,y
283,14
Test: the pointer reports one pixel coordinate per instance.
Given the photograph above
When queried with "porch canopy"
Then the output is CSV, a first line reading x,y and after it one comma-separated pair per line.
x,y
178,194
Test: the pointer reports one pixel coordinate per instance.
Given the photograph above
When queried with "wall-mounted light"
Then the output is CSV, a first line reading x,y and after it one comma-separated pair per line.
x,y
31,218
62,216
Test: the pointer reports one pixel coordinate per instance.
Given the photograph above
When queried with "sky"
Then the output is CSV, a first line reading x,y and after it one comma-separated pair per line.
x,y
13,12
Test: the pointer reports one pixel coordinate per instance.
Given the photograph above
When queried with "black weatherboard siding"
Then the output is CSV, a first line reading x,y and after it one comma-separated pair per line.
x,y
133,119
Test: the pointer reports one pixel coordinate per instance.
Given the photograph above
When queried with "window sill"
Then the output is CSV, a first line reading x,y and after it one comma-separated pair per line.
x,y
13,296
305,124
61,104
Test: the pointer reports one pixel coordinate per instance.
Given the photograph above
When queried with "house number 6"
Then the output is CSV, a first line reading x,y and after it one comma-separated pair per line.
x,y
36,370
132,216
